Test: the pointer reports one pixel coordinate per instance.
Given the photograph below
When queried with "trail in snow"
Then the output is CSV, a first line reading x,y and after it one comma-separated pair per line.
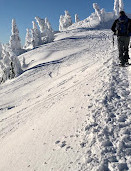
x,y
69,110
110,142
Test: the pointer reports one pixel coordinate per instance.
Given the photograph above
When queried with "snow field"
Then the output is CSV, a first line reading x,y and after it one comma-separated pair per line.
x,y
69,110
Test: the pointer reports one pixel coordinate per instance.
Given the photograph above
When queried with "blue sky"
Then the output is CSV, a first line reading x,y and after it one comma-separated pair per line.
x,y
24,12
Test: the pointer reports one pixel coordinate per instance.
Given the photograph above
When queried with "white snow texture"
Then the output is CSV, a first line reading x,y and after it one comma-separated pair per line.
x,y
68,106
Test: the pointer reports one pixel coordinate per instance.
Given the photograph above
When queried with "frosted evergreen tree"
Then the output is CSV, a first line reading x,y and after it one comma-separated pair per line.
x,y
41,23
103,14
10,64
0,51
61,21
47,34
116,7
76,18
50,32
68,20
97,11
65,21
121,5
48,24
36,37
15,42
28,39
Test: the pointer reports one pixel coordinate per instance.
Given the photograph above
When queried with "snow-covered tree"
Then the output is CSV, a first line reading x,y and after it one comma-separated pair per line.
x,y
0,51
49,31
97,11
103,15
65,21
68,20
28,37
121,5
15,42
41,23
48,24
10,64
36,37
76,18
118,6
47,34
61,21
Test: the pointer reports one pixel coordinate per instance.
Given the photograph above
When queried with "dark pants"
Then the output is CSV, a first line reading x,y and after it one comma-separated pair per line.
x,y
123,46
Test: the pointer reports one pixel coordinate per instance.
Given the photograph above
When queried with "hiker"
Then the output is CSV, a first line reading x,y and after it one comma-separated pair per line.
x,y
122,28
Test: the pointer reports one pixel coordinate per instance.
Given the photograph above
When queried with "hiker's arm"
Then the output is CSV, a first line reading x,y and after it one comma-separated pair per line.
x,y
130,26
113,28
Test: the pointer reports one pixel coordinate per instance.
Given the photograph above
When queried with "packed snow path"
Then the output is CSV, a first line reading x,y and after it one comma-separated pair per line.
x,y
69,110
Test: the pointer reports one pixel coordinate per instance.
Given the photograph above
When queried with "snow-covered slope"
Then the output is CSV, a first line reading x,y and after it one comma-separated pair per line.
x,y
70,109
92,22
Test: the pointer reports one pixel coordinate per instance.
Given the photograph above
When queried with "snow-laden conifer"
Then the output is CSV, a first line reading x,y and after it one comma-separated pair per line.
x,y
49,31
28,43
36,37
15,42
68,20
0,51
47,34
121,5
61,21
116,7
41,23
10,64
65,21
98,11
76,18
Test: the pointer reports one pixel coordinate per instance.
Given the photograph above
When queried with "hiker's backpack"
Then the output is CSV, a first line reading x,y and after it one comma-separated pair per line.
x,y
129,27
122,26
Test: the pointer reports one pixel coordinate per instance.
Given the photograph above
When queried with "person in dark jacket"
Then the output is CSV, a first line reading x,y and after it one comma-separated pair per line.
x,y
122,28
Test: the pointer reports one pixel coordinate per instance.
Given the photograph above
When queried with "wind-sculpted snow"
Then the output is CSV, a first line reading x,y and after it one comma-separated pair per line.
x,y
70,109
